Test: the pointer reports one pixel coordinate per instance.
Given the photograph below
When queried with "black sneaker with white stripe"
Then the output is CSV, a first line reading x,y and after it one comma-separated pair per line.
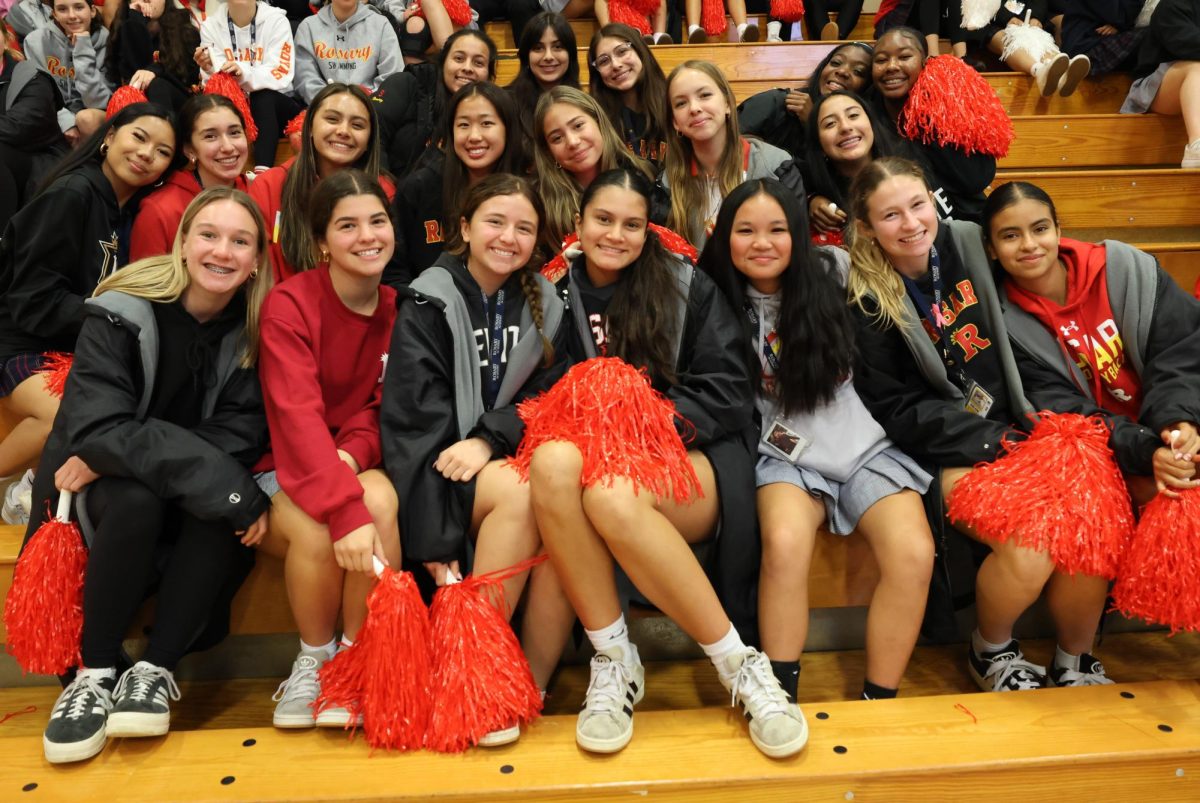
x,y
77,727
1090,672
141,704
1005,669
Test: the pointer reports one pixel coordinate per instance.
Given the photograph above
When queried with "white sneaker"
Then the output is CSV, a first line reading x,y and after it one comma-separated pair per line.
x,y
605,724
1049,74
1077,70
1191,156
777,726
18,500
501,736
774,28
296,695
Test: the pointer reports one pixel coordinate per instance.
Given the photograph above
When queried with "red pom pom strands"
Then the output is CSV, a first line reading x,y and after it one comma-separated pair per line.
x,y
223,83
385,674
1059,491
1160,576
787,10
712,17
634,13
44,608
55,370
124,96
481,679
951,104
621,425
459,12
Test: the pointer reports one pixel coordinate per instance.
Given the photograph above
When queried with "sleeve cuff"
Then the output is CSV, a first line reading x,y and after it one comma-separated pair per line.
x,y
348,518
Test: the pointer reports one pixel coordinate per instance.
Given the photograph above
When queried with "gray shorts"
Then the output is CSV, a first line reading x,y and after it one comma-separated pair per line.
x,y
889,472
1143,91
268,483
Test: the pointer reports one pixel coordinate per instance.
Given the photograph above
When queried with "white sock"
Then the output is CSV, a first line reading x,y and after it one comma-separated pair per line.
x,y
658,37
742,29
614,635
982,645
773,28
329,649
1064,659
345,644
101,673
1037,68
692,29
719,650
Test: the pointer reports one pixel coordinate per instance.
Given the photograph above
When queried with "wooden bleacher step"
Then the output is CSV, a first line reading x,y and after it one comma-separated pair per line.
x,y
1133,742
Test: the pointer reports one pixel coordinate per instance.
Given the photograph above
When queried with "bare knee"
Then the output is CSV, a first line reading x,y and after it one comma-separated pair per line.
x,y
379,496
555,469
615,510
787,548
910,561
1029,568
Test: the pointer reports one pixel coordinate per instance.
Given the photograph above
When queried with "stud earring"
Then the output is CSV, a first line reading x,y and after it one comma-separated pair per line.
x,y
324,255
254,274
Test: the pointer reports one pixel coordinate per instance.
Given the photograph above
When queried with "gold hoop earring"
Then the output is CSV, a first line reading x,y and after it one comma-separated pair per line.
x,y
254,274
191,162
324,255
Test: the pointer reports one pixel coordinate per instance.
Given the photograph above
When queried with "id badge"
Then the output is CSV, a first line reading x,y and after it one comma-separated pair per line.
x,y
786,440
979,401
1015,7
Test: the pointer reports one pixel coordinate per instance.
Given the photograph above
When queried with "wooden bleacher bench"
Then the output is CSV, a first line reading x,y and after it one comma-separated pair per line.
x,y
1094,140
1142,198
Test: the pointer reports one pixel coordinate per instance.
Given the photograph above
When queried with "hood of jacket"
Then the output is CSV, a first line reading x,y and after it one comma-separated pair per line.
x,y
354,29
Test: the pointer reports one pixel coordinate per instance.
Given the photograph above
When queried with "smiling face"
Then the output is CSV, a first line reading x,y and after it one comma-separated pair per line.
x,y
359,238
698,107
849,68
479,135
901,216
897,63
548,59
573,138
500,237
138,153
74,16
220,250
612,232
845,133
617,63
466,62
760,243
218,147
341,130
1023,237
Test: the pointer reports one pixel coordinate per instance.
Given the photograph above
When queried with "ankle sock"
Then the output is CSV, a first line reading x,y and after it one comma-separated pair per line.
x,y
329,649
719,650
741,29
774,27
982,645
101,673
788,675
345,644
614,635
658,36
1064,659
692,29
872,692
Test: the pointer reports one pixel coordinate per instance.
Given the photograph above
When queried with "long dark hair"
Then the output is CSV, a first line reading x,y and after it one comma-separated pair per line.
x,y
642,324
189,113
88,152
815,329
821,177
442,93
455,179
294,233
175,45
525,89
651,87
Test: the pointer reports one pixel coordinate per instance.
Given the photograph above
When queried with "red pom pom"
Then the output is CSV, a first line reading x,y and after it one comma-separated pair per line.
x,y
459,12
621,425
1159,580
385,675
223,83
1059,491
632,13
712,17
675,243
55,370
124,96
885,7
44,608
481,679
952,104
788,10
296,124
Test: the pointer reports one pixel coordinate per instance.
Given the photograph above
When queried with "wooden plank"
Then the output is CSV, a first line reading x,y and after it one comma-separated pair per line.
x,y
1118,198
1085,742
1095,140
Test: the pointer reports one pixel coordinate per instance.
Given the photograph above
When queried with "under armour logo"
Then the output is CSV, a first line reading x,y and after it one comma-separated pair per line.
x,y
234,498
1068,329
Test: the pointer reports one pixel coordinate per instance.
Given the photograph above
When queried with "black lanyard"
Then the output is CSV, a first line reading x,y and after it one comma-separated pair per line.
x,y
933,314
768,349
496,349
233,33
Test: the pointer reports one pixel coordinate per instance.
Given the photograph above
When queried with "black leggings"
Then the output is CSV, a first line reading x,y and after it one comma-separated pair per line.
x,y
272,111
816,16
140,539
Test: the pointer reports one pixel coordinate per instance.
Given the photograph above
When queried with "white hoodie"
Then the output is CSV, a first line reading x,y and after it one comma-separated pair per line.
x,y
268,61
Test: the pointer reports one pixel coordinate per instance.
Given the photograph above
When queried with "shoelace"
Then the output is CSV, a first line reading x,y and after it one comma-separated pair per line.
x,y
302,682
1078,677
78,699
143,679
756,683
606,690
1014,671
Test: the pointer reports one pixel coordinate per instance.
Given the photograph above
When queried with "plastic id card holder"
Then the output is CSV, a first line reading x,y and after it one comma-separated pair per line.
x,y
787,441
979,401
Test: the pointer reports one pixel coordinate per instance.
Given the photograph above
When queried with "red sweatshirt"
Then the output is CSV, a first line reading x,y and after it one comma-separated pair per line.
x,y
159,214
267,191
321,367
1085,327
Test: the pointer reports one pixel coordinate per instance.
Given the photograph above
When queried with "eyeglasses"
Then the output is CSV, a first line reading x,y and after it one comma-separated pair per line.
x,y
619,53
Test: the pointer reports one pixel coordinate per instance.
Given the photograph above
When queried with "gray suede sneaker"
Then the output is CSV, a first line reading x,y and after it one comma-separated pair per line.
x,y
77,729
777,726
605,724
296,695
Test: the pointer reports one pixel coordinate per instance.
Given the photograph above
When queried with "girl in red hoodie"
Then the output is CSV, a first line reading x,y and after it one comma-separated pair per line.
x,y
1101,329
212,136
323,352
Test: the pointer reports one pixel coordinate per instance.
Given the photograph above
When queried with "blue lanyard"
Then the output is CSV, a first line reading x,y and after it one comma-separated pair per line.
x,y
233,33
933,314
496,349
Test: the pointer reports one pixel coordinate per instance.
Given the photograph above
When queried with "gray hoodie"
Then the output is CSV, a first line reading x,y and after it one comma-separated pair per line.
x,y
26,16
77,70
362,50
